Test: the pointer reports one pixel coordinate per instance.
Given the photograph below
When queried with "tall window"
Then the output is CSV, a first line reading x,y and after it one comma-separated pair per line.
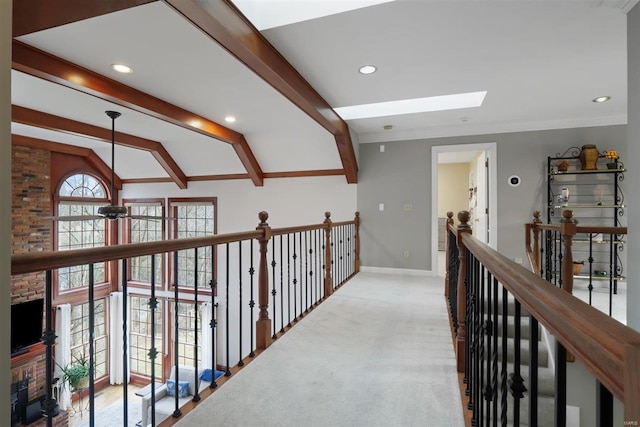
x,y
80,196
145,230
80,335
140,336
194,218
187,334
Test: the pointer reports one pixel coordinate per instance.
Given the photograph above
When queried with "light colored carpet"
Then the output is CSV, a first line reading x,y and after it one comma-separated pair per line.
x,y
112,415
377,353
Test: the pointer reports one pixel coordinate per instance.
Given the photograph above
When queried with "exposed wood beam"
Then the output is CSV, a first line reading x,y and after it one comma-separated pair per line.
x,y
232,176
30,16
41,64
302,174
92,157
39,119
225,24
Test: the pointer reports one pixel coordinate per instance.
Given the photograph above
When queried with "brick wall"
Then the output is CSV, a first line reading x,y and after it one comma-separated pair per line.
x,y
30,200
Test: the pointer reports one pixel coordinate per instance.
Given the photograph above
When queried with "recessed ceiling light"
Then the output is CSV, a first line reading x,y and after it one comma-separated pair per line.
x,y
121,68
229,119
367,69
409,106
600,99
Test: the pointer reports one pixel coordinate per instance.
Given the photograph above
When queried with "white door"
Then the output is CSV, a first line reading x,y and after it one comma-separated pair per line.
x,y
481,217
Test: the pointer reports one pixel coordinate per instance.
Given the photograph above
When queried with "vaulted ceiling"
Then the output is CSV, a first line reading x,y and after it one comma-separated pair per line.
x,y
196,62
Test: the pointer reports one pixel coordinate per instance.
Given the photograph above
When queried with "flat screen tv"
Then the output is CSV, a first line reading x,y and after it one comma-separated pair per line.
x,y
26,324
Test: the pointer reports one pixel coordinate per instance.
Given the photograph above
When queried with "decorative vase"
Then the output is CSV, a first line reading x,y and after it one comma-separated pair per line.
x,y
577,267
612,165
588,157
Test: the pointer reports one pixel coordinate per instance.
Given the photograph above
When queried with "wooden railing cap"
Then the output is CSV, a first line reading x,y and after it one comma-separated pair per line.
x,y
450,215
536,217
263,216
463,217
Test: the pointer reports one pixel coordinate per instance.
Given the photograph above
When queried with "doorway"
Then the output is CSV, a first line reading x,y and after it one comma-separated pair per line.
x,y
463,177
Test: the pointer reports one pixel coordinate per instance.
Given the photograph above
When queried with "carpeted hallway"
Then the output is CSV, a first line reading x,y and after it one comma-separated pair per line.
x,y
377,353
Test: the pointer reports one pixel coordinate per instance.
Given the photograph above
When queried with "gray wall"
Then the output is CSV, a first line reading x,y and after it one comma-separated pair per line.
x,y
402,175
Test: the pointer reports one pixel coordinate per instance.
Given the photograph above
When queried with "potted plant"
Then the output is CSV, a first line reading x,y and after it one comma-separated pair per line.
x,y
76,373
612,157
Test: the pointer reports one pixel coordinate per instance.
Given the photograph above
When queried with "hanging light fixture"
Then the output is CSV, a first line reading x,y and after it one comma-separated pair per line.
x,y
112,211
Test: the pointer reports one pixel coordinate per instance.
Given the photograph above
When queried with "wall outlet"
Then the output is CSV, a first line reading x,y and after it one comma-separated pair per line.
x,y
408,207
518,260
406,254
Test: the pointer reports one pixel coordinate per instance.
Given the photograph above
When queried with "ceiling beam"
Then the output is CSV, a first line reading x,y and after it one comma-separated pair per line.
x,y
35,62
42,120
91,156
30,16
225,24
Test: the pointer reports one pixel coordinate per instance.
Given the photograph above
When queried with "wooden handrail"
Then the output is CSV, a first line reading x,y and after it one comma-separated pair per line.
x,y
596,340
40,261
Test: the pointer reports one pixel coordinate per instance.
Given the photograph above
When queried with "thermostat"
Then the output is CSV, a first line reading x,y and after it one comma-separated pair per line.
x,y
514,180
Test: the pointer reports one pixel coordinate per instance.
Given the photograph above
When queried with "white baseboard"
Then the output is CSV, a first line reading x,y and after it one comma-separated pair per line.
x,y
405,271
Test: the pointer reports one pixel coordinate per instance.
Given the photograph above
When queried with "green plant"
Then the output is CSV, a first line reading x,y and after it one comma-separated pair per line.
x,y
76,373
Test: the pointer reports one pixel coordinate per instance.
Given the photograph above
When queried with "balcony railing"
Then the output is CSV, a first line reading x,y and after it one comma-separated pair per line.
x,y
263,281
568,252
485,290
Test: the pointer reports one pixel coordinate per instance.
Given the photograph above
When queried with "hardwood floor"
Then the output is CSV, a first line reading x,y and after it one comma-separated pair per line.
x,y
104,399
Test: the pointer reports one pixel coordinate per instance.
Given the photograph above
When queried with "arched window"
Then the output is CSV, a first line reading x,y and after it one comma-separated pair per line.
x,y
80,196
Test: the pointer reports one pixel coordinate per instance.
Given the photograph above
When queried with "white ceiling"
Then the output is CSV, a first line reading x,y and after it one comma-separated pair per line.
x,y
541,62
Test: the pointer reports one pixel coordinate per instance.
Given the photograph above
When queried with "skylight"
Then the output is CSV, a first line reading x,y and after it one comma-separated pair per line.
x,y
265,14
409,106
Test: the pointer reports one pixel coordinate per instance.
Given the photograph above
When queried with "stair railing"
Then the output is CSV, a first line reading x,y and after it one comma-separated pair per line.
x,y
490,288
552,250
297,266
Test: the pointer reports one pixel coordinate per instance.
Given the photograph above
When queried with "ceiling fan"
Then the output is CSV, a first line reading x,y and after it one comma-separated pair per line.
x,y
111,211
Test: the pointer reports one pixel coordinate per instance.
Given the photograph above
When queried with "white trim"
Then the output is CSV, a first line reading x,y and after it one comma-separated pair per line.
x,y
489,128
491,149
405,271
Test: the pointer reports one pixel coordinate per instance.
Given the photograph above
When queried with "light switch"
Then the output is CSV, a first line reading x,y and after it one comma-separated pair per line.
x,y
382,148
381,207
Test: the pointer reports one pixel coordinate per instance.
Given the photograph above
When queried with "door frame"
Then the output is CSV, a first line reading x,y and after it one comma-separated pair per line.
x,y
492,155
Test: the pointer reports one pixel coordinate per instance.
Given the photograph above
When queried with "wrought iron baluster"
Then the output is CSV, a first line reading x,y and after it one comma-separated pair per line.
x,y
252,302
318,275
153,351
289,278
92,359
240,361
612,273
125,355
533,371
214,321
196,392
310,288
516,382
227,372
273,286
560,417
487,391
494,359
306,271
503,375
604,406
281,288
295,281
301,251
49,406
590,267
176,341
